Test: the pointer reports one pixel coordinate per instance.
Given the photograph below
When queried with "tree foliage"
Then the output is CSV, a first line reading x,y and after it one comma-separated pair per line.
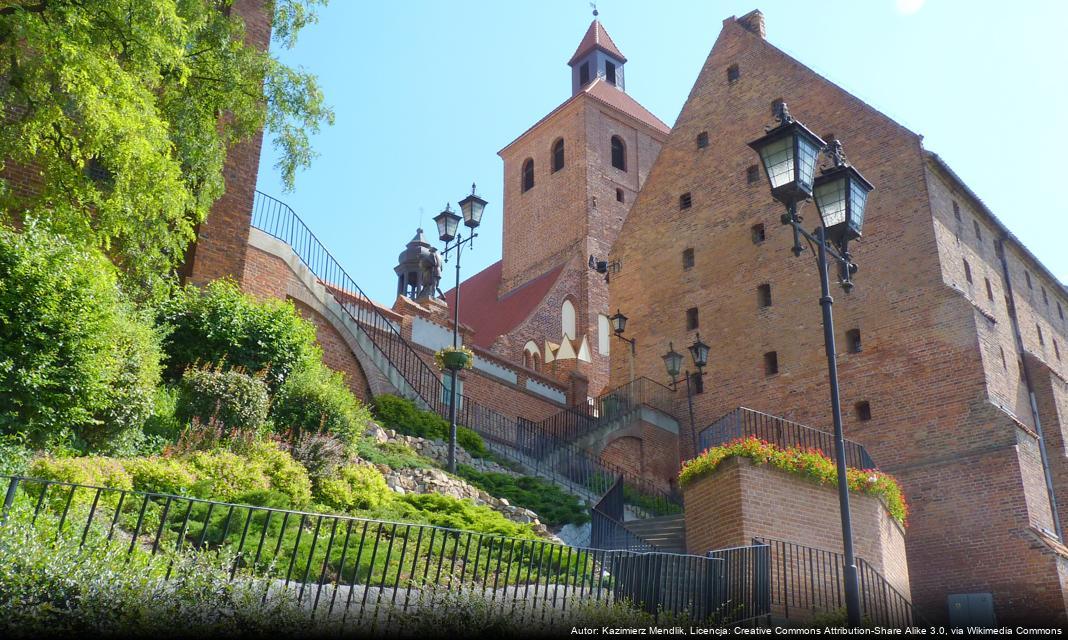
x,y
122,112
74,358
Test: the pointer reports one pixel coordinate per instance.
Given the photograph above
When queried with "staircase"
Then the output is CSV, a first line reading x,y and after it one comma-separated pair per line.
x,y
666,533
571,467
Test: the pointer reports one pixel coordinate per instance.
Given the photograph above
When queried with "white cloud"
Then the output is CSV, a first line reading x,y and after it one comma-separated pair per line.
x,y
908,7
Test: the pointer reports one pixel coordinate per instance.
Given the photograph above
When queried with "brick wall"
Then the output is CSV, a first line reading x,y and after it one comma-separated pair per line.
x,y
742,500
220,247
930,367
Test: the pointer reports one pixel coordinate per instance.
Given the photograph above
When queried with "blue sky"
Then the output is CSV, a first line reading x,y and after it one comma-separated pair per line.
x,y
427,92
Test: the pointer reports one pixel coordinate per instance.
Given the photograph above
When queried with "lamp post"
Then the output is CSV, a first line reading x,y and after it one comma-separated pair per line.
x,y
673,364
789,153
472,207
619,325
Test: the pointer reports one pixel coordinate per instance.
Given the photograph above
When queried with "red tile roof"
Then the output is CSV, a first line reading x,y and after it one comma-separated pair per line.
x,y
490,316
616,97
596,38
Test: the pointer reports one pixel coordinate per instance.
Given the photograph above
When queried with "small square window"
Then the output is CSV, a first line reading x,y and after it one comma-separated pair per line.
x,y
967,272
863,409
687,259
620,197
853,341
978,230
691,319
733,73
757,231
989,290
685,201
771,363
752,174
702,140
764,295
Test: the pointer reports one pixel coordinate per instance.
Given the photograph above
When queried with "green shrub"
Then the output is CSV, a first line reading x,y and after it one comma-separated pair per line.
x,y
163,422
315,399
74,356
453,513
224,475
401,415
395,455
285,474
230,398
553,505
355,487
320,453
15,456
220,325
92,470
161,475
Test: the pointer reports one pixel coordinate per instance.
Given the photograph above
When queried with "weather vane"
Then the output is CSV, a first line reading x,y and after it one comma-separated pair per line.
x,y
594,5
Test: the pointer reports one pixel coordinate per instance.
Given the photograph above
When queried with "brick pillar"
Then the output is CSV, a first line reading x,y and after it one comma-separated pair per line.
x,y
578,389
222,239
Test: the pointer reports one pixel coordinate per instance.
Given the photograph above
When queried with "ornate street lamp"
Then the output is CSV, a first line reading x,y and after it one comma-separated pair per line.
x,y
841,193
673,363
448,224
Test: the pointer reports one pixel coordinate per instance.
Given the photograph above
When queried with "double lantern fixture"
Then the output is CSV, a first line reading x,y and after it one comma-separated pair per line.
x,y
790,152
448,222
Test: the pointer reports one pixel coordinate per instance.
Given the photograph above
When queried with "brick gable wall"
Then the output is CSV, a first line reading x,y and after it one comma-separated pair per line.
x,y
972,473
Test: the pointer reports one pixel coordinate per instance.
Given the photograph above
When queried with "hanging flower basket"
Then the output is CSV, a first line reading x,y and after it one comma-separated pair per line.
x,y
454,358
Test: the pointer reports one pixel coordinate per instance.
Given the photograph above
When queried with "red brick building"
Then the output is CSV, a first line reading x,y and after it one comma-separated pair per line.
x,y
953,342
569,182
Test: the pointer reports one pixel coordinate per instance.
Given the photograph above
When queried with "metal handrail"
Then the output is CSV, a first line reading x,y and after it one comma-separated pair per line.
x,y
744,422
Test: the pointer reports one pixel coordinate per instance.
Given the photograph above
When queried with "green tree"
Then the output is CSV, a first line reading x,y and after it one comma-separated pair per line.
x,y
74,358
123,111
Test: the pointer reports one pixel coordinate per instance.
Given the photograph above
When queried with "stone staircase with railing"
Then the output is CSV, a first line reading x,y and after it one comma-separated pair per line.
x,y
570,466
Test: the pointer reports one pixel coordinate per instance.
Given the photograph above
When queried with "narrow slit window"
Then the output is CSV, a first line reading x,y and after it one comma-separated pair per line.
x,y
1041,338
863,409
758,234
771,363
619,153
528,175
685,201
967,272
702,140
687,259
978,230
1045,300
610,72
752,174
989,290
1027,277
584,73
956,211
558,155
764,295
853,341
692,320
619,196
733,73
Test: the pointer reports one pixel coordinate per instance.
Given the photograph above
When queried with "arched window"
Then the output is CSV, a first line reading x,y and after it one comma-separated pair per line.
x,y
619,153
532,356
528,174
567,319
558,155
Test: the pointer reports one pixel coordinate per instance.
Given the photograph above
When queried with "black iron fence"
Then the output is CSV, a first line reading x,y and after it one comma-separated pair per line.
x,y
567,464
607,530
631,396
807,585
744,423
368,570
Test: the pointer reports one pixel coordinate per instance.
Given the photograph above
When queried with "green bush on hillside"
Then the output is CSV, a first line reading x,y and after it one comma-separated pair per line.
x,y
553,505
220,325
401,415
315,399
395,455
76,361
230,399
354,488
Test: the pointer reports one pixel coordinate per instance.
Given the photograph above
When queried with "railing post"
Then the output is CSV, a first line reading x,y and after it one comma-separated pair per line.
x,y
9,498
